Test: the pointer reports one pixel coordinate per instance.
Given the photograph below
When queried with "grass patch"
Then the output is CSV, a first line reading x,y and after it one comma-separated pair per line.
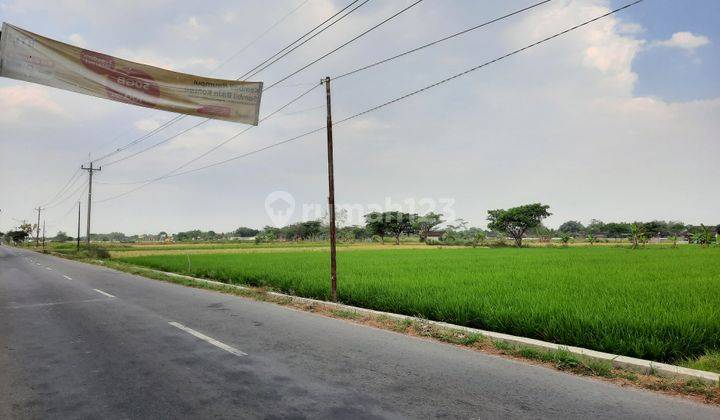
x,y
502,345
653,303
344,313
709,362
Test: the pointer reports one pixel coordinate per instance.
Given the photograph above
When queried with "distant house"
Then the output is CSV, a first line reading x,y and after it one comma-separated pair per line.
x,y
434,236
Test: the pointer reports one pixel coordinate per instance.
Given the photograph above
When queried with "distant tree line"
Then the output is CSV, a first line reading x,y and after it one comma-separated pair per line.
x,y
514,223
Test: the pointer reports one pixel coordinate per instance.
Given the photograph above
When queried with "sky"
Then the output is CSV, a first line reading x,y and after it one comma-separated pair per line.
x,y
616,121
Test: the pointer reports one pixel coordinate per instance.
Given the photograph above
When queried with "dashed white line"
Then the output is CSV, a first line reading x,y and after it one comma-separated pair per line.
x,y
210,340
104,293
69,278
48,268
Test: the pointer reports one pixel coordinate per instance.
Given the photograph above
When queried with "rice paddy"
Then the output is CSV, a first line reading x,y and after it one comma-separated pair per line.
x,y
655,303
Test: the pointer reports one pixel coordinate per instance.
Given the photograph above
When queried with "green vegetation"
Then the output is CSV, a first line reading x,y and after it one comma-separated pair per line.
x,y
655,303
709,362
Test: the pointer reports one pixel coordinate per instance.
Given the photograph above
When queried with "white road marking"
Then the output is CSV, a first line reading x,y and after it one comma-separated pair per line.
x,y
38,263
48,268
104,293
210,340
69,278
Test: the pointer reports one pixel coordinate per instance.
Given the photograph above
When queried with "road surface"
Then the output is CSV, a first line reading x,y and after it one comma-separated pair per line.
x,y
78,340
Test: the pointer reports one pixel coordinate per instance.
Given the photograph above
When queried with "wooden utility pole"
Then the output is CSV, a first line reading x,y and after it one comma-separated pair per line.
x,y
78,230
331,196
90,170
37,228
43,242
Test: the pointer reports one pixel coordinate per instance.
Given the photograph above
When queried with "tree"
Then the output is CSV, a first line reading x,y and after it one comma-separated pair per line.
x,y
655,228
27,228
398,223
565,238
16,236
617,230
310,229
704,237
591,238
61,237
637,234
516,221
479,238
543,233
572,227
596,227
424,224
375,224
245,232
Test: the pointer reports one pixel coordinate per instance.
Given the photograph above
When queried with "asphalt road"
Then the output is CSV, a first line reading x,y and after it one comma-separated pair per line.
x,y
81,341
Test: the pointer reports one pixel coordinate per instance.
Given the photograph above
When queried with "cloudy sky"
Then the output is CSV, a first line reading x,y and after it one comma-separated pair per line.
x,y
616,121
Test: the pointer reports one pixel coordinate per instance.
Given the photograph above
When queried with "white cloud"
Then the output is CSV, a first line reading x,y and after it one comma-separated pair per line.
x,y
559,123
151,57
630,28
684,40
78,40
21,102
147,124
191,29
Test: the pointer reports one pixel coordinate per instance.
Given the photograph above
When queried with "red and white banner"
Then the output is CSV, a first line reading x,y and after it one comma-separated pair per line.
x,y
34,58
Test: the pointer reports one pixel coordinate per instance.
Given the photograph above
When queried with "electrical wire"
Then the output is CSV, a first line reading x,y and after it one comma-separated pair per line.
x,y
283,53
81,188
438,41
306,66
224,142
259,37
55,221
344,44
181,116
398,99
73,179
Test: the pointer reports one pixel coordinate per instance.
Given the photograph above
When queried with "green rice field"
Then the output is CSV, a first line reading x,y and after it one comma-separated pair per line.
x,y
655,303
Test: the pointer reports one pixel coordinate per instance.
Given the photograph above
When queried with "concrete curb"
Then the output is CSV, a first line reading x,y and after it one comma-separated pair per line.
x,y
630,363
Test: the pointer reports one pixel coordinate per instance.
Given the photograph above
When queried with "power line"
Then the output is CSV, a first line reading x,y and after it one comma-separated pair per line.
x,y
181,116
288,76
345,44
236,135
430,44
487,63
154,145
54,222
265,64
70,181
285,78
398,99
80,189
261,36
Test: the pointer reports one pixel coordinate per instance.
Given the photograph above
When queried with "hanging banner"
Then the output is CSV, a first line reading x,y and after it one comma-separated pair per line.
x,y
34,58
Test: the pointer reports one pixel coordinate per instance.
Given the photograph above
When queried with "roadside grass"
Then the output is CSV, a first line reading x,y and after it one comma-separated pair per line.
x,y
709,361
560,360
655,303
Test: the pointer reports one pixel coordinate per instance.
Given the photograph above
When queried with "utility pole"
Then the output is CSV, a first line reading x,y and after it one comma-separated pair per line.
x,y
37,228
90,170
43,242
78,232
331,196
